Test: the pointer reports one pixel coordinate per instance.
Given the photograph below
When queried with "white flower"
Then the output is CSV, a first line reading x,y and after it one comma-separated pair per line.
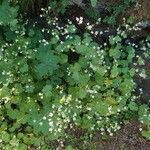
x,y
77,19
59,129
89,27
41,123
101,32
50,123
44,118
111,134
34,121
51,114
50,129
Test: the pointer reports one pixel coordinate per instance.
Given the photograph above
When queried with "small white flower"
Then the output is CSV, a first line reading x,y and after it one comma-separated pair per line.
x,y
50,129
41,123
51,114
50,123
77,19
89,27
44,118
111,134
34,121
101,32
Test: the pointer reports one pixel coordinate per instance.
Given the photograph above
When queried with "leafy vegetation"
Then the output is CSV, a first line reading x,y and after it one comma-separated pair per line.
x,y
93,2
116,10
52,79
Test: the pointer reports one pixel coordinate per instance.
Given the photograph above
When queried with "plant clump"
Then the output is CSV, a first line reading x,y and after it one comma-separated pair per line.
x,y
52,78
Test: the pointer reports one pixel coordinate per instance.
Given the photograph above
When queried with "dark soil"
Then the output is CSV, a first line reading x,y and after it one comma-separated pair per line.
x,y
128,138
141,12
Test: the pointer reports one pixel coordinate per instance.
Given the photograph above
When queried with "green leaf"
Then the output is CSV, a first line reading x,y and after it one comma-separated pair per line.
x,y
63,58
146,134
142,109
10,35
110,20
100,107
24,68
86,122
82,93
131,53
114,40
114,72
8,14
69,147
101,70
132,72
111,101
30,89
4,92
76,67
93,3
133,106
5,136
76,77
82,49
54,40
71,29
87,38
131,20
18,89
48,61
13,113
47,90
84,79
114,52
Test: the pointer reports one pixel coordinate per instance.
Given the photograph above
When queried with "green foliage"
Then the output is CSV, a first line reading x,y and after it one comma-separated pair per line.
x,y
8,14
144,117
69,147
116,10
93,2
59,6
146,134
50,80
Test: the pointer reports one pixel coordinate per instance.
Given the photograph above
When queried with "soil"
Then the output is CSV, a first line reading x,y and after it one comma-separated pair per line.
x,y
141,12
128,138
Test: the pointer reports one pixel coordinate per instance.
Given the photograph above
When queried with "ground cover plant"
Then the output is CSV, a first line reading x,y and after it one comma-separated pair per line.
x,y
55,79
